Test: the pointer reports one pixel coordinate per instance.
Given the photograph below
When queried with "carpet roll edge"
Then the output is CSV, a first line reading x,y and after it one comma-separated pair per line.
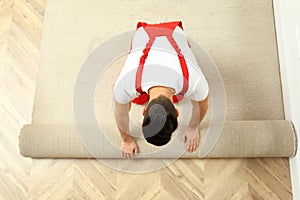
x,y
296,140
22,140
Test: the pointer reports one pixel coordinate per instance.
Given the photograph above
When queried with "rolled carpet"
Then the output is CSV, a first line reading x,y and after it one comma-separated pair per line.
x,y
270,138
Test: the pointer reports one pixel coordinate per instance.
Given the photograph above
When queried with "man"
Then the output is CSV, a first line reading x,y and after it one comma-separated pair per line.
x,y
161,69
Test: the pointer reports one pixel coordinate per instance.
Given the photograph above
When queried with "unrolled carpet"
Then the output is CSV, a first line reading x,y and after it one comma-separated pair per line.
x,y
240,40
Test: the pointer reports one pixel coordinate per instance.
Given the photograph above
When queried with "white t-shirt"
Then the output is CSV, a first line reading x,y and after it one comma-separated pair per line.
x,y
162,68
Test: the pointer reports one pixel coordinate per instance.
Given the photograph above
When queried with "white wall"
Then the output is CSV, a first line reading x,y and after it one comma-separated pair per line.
x,y
287,21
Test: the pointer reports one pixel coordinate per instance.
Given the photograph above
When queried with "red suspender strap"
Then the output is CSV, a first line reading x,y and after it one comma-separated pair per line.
x,y
140,69
184,69
154,30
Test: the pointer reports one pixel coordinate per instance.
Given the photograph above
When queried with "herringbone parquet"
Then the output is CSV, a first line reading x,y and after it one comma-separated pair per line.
x,y
23,178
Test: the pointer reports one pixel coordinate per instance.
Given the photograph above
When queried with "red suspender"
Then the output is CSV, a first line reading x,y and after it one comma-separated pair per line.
x,y
154,30
140,69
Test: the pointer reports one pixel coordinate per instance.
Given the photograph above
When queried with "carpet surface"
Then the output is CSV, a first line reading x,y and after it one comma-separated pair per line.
x,y
239,40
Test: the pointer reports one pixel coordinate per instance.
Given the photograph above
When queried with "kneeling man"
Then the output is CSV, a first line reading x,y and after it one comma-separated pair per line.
x,y
160,70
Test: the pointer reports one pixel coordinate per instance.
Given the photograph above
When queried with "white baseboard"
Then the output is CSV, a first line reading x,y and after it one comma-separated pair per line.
x,y
288,51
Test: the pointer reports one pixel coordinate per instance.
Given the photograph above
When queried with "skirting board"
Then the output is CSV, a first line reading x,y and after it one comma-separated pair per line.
x,y
288,51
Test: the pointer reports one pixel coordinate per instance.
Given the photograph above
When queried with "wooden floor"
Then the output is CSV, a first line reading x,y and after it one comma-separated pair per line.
x,y
23,178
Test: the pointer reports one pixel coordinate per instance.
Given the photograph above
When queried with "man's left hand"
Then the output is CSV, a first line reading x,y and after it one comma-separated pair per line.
x,y
191,136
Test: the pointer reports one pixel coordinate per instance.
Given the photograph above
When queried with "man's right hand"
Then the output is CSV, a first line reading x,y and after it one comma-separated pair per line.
x,y
129,148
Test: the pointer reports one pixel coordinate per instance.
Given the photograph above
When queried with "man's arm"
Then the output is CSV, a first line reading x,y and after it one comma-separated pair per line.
x,y
198,112
191,134
122,119
128,145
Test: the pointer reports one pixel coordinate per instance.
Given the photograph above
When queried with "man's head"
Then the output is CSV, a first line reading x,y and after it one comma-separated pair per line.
x,y
160,121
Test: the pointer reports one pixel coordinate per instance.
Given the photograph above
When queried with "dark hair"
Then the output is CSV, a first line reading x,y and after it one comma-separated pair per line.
x,y
160,121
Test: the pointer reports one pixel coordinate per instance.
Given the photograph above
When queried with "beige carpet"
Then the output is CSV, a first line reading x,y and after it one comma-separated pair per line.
x,y
243,49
